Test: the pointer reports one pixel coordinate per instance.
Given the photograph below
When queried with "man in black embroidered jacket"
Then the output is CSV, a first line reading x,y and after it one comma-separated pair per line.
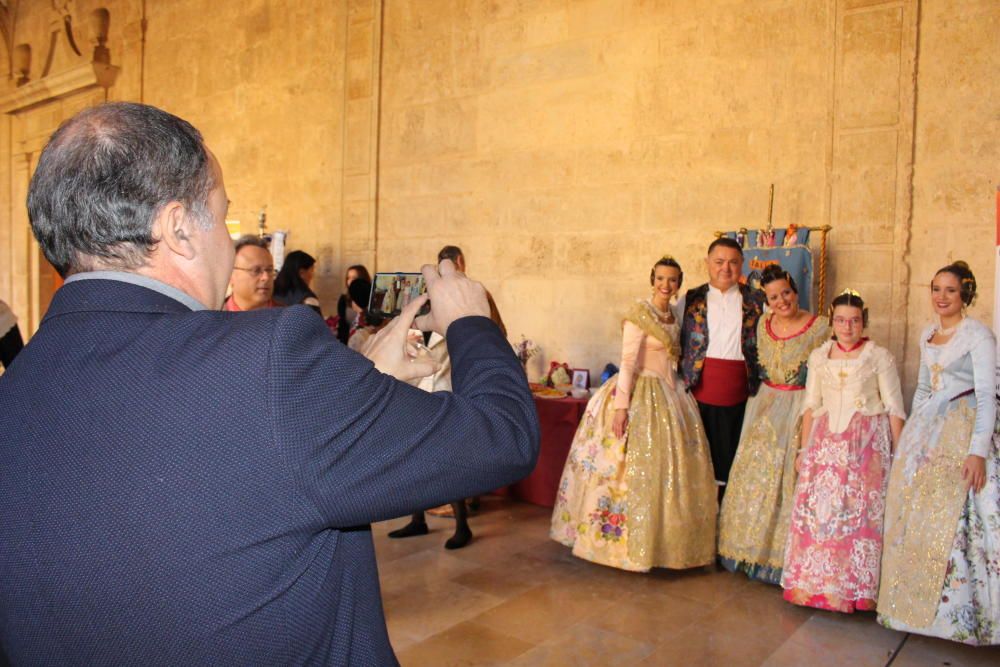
x,y
719,351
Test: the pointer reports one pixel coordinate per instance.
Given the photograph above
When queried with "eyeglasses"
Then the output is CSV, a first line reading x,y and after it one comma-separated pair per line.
x,y
257,271
853,321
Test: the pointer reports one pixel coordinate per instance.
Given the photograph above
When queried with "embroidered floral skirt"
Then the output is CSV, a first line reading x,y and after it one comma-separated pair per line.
x,y
835,536
753,524
648,500
941,569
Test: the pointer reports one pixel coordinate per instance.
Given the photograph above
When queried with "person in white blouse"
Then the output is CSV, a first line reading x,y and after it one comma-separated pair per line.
x,y
437,349
852,416
941,568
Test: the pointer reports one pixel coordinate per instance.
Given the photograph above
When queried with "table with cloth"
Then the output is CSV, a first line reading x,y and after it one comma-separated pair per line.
x,y
558,418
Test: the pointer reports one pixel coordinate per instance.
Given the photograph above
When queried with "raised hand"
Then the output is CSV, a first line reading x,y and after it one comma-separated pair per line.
x,y
388,349
453,296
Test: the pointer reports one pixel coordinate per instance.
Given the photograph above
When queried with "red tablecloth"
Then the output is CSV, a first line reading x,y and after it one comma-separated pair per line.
x,y
559,419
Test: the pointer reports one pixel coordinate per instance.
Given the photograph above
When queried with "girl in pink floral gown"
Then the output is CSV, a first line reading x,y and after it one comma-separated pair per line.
x,y
852,416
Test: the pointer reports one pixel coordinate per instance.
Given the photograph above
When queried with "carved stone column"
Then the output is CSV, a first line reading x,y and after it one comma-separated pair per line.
x,y
70,81
872,157
359,214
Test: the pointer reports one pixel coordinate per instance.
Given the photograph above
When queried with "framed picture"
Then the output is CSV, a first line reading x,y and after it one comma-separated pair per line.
x,y
581,378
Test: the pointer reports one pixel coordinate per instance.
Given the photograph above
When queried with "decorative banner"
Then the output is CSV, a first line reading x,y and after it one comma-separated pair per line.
x,y
761,249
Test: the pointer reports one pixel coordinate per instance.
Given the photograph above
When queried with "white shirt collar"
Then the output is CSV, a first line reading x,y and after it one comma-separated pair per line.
x,y
734,288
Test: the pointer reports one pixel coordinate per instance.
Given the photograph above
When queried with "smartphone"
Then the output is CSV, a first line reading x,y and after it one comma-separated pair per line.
x,y
391,292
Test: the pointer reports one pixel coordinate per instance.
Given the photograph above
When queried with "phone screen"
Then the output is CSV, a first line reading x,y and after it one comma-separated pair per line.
x,y
391,292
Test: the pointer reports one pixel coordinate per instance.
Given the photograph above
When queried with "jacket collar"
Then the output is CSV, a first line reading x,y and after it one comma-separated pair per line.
x,y
108,295
141,281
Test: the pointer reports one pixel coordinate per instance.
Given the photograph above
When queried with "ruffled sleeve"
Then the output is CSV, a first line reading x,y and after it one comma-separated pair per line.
x,y
983,369
814,396
888,384
631,342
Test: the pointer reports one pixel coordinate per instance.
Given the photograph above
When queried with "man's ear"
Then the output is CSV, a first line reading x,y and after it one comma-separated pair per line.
x,y
174,228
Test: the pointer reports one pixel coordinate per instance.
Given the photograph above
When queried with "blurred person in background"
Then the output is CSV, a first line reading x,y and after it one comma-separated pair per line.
x,y
292,286
252,280
346,315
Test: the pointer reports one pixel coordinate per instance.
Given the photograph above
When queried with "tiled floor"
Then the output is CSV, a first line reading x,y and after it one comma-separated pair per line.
x,y
514,597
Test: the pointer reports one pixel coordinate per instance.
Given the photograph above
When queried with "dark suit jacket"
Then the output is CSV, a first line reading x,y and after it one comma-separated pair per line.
x,y
185,488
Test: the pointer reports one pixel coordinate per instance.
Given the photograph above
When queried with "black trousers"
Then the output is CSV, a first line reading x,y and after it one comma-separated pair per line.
x,y
722,428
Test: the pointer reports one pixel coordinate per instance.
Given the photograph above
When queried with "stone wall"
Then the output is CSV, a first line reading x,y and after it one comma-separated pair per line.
x,y
567,144
956,153
264,80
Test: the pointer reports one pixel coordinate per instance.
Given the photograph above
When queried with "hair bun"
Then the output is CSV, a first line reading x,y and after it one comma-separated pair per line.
x,y
966,280
774,270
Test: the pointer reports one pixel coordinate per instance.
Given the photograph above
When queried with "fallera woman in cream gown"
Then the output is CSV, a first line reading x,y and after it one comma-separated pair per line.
x,y
638,489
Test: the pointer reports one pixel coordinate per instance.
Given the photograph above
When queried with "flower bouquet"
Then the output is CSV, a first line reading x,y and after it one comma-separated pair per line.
x,y
525,350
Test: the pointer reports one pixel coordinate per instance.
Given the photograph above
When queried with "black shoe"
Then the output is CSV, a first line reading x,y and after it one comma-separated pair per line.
x,y
409,530
461,538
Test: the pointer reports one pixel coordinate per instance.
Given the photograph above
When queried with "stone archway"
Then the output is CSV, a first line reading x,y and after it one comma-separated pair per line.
x,y
34,109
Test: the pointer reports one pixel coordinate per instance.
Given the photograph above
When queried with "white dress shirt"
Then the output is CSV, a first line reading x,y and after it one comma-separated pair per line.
x,y
725,323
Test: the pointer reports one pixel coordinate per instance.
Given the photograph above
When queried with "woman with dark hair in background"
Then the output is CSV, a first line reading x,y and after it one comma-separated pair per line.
x,y
637,490
291,287
941,568
753,524
365,324
852,416
346,316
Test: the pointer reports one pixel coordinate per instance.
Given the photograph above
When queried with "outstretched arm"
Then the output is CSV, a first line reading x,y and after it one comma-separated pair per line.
x,y
364,447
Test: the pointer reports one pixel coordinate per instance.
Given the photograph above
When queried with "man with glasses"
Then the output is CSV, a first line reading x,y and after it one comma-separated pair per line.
x,y
252,281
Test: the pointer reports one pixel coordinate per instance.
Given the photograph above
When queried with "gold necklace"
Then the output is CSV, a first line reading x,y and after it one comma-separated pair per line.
x,y
666,317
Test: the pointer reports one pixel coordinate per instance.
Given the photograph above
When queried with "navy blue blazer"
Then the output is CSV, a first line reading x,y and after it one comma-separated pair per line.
x,y
195,488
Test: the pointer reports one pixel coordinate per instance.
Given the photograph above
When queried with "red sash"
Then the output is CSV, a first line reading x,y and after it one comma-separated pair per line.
x,y
784,387
723,382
